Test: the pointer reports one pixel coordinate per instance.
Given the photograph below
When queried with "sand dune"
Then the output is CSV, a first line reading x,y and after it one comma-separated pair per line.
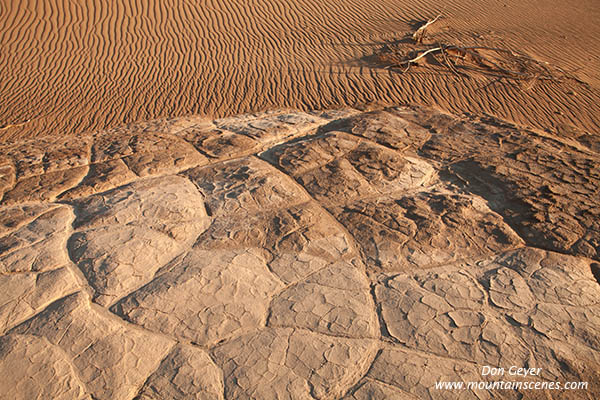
x,y
71,67
287,255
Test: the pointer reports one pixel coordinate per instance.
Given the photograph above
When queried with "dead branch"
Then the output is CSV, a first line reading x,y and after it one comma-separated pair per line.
x,y
507,64
419,34
414,60
449,63
463,61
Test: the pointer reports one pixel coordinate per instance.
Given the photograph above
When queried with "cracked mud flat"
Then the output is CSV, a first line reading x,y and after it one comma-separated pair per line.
x,y
290,255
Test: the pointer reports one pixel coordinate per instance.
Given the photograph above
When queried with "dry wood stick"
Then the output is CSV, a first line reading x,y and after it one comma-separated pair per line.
x,y
420,33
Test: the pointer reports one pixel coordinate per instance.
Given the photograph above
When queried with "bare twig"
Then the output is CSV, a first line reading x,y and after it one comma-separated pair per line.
x,y
449,63
419,34
17,124
414,60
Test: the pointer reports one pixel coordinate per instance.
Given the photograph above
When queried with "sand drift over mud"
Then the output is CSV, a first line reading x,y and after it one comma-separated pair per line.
x,y
70,67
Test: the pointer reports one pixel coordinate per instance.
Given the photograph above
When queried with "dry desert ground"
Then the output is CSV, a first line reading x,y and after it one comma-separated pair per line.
x,y
299,199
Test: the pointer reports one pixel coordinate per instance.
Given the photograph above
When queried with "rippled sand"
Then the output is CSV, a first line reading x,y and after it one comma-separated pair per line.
x,y
69,67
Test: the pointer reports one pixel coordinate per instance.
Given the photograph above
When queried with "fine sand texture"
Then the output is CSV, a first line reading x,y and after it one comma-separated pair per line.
x,y
68,67
289,255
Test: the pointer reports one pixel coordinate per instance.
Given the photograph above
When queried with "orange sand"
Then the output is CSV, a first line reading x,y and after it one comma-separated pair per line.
x,y
73,66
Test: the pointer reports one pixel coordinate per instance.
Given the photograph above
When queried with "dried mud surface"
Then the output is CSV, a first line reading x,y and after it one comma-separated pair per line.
x,y
327,255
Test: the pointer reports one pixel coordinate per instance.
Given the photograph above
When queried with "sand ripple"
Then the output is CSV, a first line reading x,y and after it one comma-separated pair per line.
x,y
75,66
